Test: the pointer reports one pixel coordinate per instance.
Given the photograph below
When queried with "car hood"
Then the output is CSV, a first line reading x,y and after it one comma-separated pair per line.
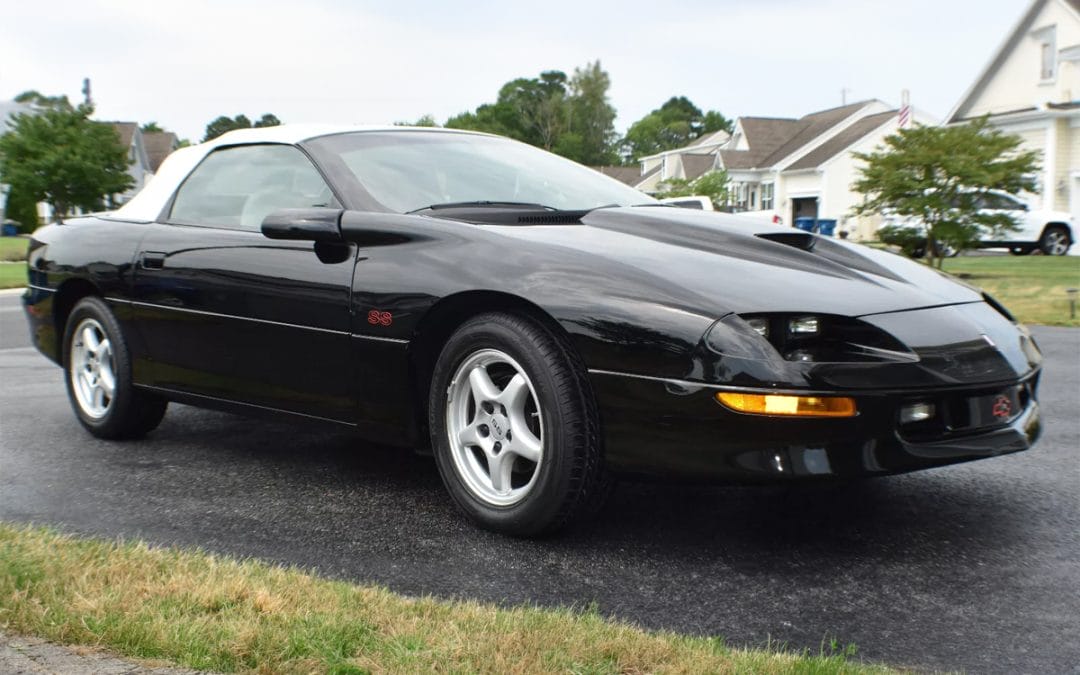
x,y
734,265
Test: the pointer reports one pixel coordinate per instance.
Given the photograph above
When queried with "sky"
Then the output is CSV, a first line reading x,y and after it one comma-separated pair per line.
x,y
183,63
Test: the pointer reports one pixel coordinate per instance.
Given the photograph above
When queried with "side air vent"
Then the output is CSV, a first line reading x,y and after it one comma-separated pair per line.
x,y
800,240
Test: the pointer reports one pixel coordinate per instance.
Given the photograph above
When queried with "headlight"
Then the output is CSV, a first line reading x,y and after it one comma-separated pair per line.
x,y
825,338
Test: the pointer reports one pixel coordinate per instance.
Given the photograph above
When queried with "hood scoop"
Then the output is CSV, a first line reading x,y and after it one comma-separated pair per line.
x,y
800,240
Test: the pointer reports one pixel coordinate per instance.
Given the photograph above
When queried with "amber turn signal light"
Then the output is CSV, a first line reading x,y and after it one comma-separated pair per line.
x,y
788,406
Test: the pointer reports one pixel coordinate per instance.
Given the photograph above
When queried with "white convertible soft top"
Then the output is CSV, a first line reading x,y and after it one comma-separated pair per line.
x,y
148,204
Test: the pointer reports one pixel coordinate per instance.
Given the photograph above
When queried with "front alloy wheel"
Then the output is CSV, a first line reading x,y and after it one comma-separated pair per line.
x,y
494,427
514,425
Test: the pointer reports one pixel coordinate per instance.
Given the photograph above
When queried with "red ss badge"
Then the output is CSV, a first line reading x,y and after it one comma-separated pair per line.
x,y
1002,407
377,318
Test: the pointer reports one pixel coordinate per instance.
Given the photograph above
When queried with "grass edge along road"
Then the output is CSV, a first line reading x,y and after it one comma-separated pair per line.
x,y
211,612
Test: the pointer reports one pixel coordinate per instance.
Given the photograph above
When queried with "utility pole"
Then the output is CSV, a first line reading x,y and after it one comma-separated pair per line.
x,y
86,91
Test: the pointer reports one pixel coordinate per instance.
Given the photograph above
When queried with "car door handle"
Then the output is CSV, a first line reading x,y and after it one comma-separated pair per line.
x,y
152,260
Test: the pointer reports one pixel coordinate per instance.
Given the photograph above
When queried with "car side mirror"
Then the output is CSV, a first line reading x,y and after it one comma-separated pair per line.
x,y
318,224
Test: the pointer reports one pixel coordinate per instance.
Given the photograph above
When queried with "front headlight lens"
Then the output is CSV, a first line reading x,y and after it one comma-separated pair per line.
x,y
825,338
761,325
804,325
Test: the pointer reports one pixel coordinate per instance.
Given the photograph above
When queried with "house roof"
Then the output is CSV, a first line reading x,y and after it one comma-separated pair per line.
x,y
158,145
126,130
764,135
694,165
842,141
813,125
715,138
959,112
631,175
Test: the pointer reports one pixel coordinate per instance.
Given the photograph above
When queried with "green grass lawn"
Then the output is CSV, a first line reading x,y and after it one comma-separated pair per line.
x,y
211,612
12,274
1032,287
13,248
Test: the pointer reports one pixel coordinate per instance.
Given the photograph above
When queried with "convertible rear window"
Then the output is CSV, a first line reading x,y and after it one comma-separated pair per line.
x,y
409,170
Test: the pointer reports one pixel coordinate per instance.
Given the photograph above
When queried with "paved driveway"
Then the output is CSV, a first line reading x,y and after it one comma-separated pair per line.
x,y
974,567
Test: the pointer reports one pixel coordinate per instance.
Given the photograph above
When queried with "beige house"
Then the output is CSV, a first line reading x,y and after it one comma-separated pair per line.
x,y
792,167
1031,87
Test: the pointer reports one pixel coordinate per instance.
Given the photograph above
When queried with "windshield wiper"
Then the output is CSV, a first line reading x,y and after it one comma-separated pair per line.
x,y
484,204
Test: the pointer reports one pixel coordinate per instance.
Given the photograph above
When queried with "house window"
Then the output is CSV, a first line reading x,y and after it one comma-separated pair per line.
x,y
740,194
1048,51
767,196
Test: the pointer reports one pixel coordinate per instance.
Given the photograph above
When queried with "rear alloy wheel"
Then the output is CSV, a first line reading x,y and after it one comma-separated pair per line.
x,y
98,370
514,426
1055,241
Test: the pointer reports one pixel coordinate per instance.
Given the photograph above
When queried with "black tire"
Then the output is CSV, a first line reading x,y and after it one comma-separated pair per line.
x,y
569,483
130,413
1055,240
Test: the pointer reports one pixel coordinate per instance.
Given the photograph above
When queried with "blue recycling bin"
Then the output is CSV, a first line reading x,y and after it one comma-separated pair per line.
x,y
826,226
806,223
10,230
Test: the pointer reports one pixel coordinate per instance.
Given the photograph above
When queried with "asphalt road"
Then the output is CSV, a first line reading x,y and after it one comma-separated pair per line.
x,y
973,567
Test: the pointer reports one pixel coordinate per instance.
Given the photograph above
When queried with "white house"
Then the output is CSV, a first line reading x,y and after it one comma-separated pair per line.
x,y
794,167
1031,87
139,167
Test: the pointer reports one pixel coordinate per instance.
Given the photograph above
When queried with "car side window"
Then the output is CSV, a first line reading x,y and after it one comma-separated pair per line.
x,y
1001,203
238,187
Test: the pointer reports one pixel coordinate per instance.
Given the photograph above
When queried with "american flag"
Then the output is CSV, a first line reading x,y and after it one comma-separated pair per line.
x,y
904,117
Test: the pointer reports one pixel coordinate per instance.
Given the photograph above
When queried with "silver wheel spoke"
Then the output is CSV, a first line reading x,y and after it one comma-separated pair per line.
x,y
515,396
500,467
99,397
525,445
90,339
483,389
107,381
469,435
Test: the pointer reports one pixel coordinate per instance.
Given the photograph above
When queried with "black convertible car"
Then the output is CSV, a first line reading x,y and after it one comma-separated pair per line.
x,y
537,326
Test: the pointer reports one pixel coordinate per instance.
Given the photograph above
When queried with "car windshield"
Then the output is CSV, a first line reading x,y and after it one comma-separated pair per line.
x,y
410,170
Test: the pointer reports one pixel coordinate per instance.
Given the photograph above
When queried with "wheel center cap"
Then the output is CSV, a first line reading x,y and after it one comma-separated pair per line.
x,y
499,425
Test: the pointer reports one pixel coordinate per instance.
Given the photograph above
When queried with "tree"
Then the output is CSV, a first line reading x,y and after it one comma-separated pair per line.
x,y
937,177
673,125
590,137
713,184
223,124
424,121
569,116
151,128
58,155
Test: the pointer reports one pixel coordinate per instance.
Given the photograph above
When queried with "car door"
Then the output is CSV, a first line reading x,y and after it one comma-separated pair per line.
x,y
1000,204
227,313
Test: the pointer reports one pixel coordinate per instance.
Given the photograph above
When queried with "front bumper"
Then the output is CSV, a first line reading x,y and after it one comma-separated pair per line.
x,y
676,429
